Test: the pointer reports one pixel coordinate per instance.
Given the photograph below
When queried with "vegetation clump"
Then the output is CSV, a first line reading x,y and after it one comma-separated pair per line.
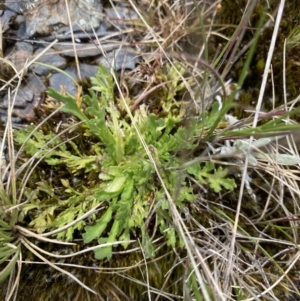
x,y
156,181
112,169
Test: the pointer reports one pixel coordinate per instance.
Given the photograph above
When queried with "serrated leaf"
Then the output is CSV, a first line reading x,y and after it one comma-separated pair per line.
x,y
194,169
103,82
228,184
100,128
106,252
45,219
45,187
95,231
70,104
53,161
171,237
209,166
217,180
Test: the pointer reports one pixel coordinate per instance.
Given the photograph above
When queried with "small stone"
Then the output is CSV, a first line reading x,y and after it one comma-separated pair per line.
x,y
13,6
23,97
3,118
120,59
51,58
59,80
28,113
21,33
24,105
87,70
24,46
7,17
36,84
19,58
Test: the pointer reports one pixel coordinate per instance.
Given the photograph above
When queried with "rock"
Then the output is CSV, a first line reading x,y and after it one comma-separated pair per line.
x,y
13,6
118,17
24,46
36,84
7,18
119,59
25,103
51,58
21,33
45,16
28,113
19,57
60,80
3,118
87,70
24,96
84,49
48,19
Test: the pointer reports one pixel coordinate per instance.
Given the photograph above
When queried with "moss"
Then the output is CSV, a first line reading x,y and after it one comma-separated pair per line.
x,y
45,283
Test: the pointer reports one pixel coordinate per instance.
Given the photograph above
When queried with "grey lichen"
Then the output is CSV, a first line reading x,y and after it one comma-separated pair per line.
x,y
30,4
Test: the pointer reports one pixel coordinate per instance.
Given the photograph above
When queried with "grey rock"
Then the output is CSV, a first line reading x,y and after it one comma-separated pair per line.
x,y
119,59
51,58
20,57
24,46
83,49
3,118
87,70
24,95
45,16
60,80
13,6
36,84
21,33
64,34
119,17
6,18
24,105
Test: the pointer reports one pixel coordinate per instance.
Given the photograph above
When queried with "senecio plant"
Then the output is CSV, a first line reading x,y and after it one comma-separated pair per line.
x,y
90,178
100,163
